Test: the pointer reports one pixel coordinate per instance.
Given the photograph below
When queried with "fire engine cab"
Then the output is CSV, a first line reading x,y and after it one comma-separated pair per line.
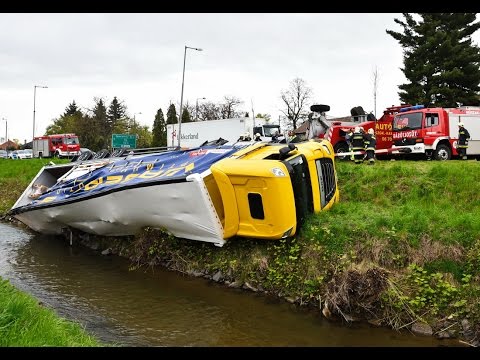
x,y
57,145
433,132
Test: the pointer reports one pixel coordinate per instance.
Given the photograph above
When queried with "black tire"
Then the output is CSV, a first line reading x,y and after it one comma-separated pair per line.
x,y
442,152
320,108
340,148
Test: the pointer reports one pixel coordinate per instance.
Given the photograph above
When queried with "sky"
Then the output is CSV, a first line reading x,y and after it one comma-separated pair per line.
x,y
138,57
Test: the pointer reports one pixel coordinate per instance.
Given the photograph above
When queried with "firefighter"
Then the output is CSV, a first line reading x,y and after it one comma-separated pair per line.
x,y
358,145
463,136
348,139
258,137
370,143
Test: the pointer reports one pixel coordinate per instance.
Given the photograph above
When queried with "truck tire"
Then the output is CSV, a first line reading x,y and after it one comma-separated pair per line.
x,y
442,152
320,108
340,148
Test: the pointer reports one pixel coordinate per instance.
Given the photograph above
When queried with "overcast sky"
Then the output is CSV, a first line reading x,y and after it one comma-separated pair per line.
x,y
139,58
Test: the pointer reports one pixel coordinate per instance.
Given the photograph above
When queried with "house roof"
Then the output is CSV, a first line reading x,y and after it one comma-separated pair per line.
x,y
8,144
302,129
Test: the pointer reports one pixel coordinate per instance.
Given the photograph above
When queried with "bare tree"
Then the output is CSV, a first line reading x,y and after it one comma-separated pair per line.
x,y
375,77
227,108
208,111
296,99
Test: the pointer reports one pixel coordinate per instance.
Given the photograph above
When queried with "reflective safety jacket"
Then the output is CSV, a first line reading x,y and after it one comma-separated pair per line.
x,y
463,137
370,142
358,142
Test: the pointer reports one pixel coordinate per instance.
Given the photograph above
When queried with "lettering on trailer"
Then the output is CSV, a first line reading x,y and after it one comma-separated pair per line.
x,y
189,136
175,165
405,134
383,132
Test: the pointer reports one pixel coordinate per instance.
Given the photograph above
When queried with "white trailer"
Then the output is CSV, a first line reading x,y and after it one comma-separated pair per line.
x,y
471,119
194,134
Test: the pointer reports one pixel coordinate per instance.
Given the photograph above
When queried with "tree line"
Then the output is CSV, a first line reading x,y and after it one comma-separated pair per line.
x,y
95,126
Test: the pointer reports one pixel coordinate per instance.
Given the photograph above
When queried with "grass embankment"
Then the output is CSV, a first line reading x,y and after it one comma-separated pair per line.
x,y
401,247
15,175
24,322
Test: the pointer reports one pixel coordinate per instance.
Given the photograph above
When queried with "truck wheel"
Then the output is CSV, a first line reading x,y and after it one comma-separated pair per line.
x,y
341,148
443,152
320,108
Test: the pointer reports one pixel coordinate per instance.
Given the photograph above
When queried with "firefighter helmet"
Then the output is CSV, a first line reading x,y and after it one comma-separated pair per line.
x,y
357,129
371,131
461,124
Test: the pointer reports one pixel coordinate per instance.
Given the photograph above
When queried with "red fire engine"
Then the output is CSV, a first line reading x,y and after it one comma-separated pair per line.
x,y
433,132
57,145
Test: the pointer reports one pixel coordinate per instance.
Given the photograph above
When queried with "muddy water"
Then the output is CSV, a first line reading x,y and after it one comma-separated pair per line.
x,y
141,308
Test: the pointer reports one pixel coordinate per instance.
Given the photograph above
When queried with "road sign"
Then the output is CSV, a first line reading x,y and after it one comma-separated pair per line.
x,y
124,141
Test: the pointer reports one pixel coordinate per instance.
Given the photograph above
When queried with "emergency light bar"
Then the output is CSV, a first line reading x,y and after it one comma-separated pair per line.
x,y
415,107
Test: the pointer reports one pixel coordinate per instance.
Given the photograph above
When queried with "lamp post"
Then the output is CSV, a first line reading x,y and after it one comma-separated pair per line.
x,y
196,108
181,97
34,96
134,123
6,132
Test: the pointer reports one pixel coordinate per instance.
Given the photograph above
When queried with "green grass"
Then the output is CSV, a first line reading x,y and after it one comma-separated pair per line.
x,y
15,175
25,323
394,215
414,199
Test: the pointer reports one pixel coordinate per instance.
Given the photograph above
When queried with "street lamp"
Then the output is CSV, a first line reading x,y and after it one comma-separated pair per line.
x,y
34,96
137,113
181,97
196,108
6,132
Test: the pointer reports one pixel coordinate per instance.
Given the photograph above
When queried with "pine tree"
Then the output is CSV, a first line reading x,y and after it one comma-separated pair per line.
x,y
172,115
100,122
159,130
440,60
71,109
186,116
116,117
67,123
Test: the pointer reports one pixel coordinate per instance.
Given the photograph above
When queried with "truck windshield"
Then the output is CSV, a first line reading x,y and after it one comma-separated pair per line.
x,y
270,131
407,121
71,141
302,188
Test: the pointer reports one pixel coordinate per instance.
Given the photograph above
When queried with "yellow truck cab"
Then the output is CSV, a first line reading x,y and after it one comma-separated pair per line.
x,y
266,190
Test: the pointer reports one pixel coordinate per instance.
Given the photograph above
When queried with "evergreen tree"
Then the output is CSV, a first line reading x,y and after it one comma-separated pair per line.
x,y
116,117
172,115
100,124
67,123
159,130
186,116
71,109
440,60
